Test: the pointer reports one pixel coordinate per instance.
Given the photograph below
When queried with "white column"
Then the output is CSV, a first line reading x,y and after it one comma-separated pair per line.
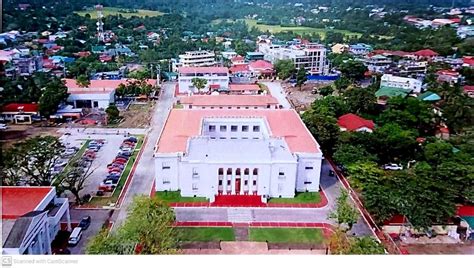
x,y
232,184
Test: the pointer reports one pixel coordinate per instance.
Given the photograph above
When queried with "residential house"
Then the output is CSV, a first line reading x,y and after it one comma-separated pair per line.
x,y
448,76
339,48
360,49
412,84
352,122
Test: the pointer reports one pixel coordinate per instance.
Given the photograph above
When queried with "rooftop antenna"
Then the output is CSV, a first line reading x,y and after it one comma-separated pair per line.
x,y
100,23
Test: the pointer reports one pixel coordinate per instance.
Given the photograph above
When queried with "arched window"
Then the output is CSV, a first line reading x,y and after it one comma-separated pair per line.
x,y
255,171
221,171
237,172
246,171
229,171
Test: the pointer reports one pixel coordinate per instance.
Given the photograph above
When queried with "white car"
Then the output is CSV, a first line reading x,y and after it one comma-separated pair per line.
x,y
392,167
127,149
60,163
3,126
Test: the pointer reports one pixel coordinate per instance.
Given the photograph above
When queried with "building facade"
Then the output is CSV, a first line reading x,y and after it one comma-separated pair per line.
x,y
200,58
206,153
311,56
412,84
31,219
216,78
224,101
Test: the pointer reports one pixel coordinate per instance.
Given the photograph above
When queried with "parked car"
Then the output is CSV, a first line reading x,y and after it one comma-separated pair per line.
x,y
75,236
115,165
114,180
3,127
85,222
125,149
94,148
120,159
132,139
60,163
95,143
115,169
125,154
392,167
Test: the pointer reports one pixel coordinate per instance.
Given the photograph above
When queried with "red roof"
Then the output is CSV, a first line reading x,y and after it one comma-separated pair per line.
x,y
468,88
353,122
455,20
243,87
465,211
468,60
20,107
396,220
237,58
447,72
99,85
183,124
426,53
17,201
241,68
192,70
229,100
261,64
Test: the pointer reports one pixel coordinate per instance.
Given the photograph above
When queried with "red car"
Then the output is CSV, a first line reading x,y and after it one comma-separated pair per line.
x,y
115,169
120,160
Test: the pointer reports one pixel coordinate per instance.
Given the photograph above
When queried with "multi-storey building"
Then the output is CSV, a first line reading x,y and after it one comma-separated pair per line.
x,y
378,63
412,84
200,58
224,101
310,56
217,78
263,153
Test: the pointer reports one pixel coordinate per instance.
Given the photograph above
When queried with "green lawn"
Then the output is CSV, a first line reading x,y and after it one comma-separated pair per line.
x,y
296,29
103,201
300,198
206,234
175,197
286,235
112,11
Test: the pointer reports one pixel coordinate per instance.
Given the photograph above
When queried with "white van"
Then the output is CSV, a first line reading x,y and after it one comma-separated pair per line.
x,y
75,236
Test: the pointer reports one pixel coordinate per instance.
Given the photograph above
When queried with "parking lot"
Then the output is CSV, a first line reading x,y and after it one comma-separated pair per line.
x,y
103,157
98,218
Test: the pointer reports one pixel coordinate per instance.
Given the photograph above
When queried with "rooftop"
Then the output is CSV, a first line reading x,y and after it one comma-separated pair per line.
x,y
392,92
239,87
17,107
192,70
99,86
353,122
229,100
184,124
19,200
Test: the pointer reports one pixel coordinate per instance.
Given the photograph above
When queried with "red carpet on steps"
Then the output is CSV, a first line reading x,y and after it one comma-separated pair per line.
x,y
238,201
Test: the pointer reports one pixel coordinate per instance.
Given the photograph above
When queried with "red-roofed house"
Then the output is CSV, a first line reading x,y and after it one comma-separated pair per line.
x,y
261,68
448,76
236,153
352,122
241,69
244,89
469,90
237,60
229,102
99,94
427,54
20,113
31,219
468,61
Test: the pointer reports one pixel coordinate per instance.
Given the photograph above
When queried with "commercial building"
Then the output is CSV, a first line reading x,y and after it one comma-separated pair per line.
x,y
98,94
229,102
311,56
199,58
31,219
217,78
378,63
411,84
234,152
360,49
20,113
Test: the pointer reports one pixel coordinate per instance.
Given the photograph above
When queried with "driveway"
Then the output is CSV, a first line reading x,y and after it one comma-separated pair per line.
x,y
98,218
142,180
277,91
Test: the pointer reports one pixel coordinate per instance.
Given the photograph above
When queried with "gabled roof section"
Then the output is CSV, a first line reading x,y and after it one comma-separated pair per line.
x,y
385,91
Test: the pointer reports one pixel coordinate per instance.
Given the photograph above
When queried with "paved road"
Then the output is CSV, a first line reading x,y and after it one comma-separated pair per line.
x,y
330,185
98,218
142,180
277,91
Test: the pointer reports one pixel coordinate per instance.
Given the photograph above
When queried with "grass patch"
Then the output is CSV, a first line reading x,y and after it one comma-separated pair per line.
x,y
113,11
103,201
206,234
296,29
300,198
175,197
286,235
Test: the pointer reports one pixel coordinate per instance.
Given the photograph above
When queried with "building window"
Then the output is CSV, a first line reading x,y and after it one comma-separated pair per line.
x,y
246,107
195,186
221,107
280,187
166,181
246,182
254,183
233,138
190,106
212,128
165,165
245,128
256,128
220,182
228,183
222,138
223,128
281,173
308,168
229,107
233,128
195,173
